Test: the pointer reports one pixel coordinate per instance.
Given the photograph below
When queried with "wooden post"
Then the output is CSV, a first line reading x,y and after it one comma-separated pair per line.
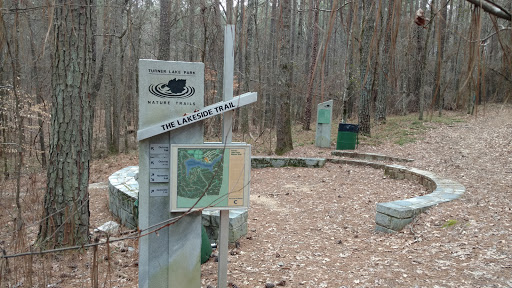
x,y
227,128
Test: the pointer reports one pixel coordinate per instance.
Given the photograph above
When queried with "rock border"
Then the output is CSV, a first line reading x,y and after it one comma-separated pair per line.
x,y
390,217
369,156
393,216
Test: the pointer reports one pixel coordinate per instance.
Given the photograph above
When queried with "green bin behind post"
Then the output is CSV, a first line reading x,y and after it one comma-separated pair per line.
x,y
206,248
347,136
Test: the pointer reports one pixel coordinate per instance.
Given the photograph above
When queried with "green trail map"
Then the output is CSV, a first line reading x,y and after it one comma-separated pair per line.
x,y
210,176
199,170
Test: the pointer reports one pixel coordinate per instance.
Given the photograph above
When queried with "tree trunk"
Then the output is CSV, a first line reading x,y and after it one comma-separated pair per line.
x,y
284,125
270,67
384,78
366,72
66,203
423,65
311,78
437,97
251,9
37,92
351,80
164,47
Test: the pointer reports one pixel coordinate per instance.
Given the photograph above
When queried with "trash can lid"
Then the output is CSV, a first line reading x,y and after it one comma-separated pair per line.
x,y
348,128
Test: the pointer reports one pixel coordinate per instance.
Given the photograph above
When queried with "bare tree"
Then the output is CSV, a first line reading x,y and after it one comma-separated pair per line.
x,y
312,68
66,203
365,60
283,118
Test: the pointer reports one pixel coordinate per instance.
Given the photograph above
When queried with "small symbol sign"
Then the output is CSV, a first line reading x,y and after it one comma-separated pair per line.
x,y
159,161
158,175
158,148
155,191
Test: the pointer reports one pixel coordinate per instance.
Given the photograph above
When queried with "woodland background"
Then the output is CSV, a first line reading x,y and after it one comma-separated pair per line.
x,y
460,57
373,58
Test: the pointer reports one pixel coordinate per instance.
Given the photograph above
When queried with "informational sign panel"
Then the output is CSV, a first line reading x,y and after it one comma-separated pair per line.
x,y
324,116
169,89
210,176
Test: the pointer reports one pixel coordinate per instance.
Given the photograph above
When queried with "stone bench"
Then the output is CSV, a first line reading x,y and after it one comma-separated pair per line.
x,y
395,215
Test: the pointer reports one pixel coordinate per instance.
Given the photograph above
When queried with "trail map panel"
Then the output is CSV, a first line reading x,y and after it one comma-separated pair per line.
x,y
210,176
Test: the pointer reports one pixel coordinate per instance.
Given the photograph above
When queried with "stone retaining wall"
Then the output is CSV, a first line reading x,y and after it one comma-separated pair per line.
x,y
123,192
394,216
390,217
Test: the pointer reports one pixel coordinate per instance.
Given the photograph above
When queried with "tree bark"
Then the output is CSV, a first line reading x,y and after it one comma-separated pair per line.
x,y
164,47
365,69
384,78
284,125
423,64
312,68
251,9
437,95
66,203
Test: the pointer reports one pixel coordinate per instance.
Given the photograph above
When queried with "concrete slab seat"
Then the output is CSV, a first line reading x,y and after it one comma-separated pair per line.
x,y
393,216
124,192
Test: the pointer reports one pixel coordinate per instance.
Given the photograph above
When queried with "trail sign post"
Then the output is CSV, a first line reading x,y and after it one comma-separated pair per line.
x,y
169,257
323,126
171,108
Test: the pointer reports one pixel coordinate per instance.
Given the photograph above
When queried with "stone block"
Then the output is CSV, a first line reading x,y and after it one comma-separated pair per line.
x,y
383,229
237,224
392,223
395,210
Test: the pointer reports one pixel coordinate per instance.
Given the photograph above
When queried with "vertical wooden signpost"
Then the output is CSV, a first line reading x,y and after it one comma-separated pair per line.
x,y
171,100
227,129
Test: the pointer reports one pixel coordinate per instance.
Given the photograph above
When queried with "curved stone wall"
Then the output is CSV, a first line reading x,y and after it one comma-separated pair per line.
x,y
395,215
390,216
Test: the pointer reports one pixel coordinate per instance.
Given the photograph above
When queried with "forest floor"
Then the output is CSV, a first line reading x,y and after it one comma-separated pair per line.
x,y
314,227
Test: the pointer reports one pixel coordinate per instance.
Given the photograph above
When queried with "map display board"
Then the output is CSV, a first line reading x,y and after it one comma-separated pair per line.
x,y
210,176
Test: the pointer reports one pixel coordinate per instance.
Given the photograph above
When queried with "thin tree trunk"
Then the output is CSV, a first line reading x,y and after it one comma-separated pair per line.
x,y
366,73
164,47
284,125
312,68
423,65
384,78
37,92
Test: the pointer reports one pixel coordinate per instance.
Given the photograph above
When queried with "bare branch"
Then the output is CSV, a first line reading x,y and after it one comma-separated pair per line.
x,y
492,8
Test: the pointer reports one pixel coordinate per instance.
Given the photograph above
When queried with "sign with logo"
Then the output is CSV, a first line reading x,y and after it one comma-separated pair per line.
x,y
166,86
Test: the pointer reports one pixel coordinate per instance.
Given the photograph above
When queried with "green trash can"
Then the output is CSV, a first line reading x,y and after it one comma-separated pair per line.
x,y
206,248
347,136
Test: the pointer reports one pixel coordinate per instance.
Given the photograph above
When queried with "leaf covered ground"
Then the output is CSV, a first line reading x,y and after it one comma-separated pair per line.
x,y
315,227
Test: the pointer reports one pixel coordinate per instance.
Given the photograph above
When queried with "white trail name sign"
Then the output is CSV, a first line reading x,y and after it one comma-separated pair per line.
x,y
206,112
